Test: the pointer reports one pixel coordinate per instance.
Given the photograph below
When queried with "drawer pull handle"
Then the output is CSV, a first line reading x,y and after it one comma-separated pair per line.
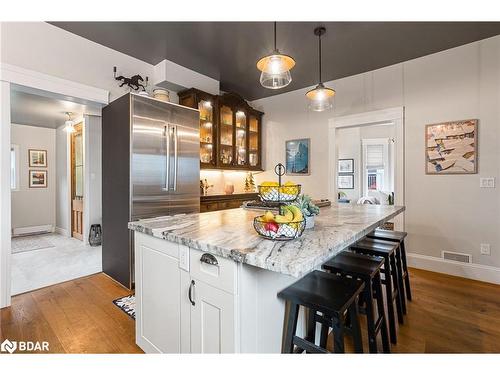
x,y
209,259
190,292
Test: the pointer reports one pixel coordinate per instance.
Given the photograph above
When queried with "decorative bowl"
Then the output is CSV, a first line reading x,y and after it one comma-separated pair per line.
x,y
283,193
279,231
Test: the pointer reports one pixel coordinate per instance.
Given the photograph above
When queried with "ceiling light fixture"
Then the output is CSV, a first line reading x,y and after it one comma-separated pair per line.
x,y
69,125
321,97
275,68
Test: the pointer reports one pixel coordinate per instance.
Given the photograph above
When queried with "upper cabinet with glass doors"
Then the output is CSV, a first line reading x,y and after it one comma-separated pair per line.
x,y
230,130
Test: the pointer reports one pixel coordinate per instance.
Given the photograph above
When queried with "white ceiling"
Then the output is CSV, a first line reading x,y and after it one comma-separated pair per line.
x,y
45,111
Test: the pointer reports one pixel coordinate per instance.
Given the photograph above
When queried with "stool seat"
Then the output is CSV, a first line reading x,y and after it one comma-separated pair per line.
x,y
380,246
388,235
323,291
356,264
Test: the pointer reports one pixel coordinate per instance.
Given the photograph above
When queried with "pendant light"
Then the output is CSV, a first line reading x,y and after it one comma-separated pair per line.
x,y
321,97
275,68
69,125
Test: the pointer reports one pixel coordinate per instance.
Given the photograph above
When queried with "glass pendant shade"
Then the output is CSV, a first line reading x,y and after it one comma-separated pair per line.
x,y
320,98
275,81
69,125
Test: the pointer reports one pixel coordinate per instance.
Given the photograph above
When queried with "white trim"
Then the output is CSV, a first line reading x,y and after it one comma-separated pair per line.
x,y
16,152
472,271
394,115
5,195
45,82
62,232
35,229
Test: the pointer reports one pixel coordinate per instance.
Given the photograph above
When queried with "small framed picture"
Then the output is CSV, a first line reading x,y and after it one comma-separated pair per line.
x,y
346,166
37,179
37,158
345,181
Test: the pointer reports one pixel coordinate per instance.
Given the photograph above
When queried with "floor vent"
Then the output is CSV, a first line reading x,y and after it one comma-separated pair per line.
x,y
457,257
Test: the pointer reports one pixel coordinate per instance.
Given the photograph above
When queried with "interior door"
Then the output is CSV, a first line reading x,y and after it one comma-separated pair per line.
x,y
150,160
212,320
77,182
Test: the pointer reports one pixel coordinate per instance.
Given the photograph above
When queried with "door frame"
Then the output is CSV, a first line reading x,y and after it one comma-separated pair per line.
x,y
394,115
36,82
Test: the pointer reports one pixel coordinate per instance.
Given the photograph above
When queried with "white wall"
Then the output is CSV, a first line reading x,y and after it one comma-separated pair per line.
x,y
349,147
48,49
443,212
34,206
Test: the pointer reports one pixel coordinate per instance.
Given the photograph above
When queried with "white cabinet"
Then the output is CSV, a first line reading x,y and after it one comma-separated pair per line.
x,y
212,319
166,320
158,295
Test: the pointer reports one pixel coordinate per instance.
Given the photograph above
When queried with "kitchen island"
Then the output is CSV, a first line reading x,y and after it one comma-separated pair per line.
x,y
208,283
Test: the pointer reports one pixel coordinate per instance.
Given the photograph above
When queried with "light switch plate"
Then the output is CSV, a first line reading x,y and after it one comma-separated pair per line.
x,y
487,182
485,249
184,257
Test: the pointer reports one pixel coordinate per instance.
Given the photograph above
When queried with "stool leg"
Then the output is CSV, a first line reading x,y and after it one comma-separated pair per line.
x,y
405,268
311,326
400,279
324,335
356,328
370,317
390,301
381,312
394,274
338,335
291,327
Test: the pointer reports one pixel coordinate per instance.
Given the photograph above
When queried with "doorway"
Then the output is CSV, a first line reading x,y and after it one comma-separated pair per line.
x,y
366,159
48,215
77,184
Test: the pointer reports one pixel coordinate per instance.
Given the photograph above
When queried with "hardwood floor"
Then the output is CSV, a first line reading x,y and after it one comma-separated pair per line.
x,y
447,315
77,316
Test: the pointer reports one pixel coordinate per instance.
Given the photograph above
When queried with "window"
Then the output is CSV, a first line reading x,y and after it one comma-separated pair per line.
x,y
14,167
377,175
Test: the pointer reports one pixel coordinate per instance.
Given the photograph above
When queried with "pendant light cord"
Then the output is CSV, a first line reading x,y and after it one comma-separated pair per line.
x,y
275,35
319,40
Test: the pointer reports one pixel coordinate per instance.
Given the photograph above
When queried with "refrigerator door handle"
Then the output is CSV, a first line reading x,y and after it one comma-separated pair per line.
x,y
176,156
167,157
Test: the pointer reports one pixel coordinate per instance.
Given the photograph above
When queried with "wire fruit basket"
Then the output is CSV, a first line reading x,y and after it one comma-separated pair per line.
x,y
279,231
283,193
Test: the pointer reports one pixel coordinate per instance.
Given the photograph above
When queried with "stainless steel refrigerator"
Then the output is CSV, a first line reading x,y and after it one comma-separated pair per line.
x,y
150,168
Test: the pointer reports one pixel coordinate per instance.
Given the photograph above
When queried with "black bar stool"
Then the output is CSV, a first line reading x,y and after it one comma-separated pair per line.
x,y
333,297
386,250
399,237
366,268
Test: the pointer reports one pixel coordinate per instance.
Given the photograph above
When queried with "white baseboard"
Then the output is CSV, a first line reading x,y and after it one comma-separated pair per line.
x,y
23,231
63,232
473,271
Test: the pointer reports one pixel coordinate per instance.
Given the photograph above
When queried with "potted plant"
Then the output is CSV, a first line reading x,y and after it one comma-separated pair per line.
x,y
308,208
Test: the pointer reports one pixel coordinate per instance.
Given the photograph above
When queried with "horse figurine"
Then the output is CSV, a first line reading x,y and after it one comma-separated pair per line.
x,y
132,82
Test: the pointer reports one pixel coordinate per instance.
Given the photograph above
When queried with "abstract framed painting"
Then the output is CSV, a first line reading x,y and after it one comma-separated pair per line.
x,y
451,147
297,156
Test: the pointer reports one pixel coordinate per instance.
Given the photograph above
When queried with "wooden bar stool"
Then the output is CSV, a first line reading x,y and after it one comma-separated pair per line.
x,y
399,237
333,297
366,268
388,252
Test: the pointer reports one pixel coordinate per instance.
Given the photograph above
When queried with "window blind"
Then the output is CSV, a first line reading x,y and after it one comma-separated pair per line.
x,y
374,156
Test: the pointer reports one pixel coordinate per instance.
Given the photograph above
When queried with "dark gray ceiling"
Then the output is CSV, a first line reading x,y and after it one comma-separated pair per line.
x,y
228,51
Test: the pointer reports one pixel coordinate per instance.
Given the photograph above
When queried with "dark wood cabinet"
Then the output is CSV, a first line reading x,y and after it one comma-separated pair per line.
x,y
224,202
230,130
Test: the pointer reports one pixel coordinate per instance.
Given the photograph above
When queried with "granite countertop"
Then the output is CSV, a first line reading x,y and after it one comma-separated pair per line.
x,y
222,196
230,233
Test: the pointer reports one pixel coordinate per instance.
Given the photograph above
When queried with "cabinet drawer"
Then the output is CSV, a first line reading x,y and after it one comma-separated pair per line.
x,y
221,275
